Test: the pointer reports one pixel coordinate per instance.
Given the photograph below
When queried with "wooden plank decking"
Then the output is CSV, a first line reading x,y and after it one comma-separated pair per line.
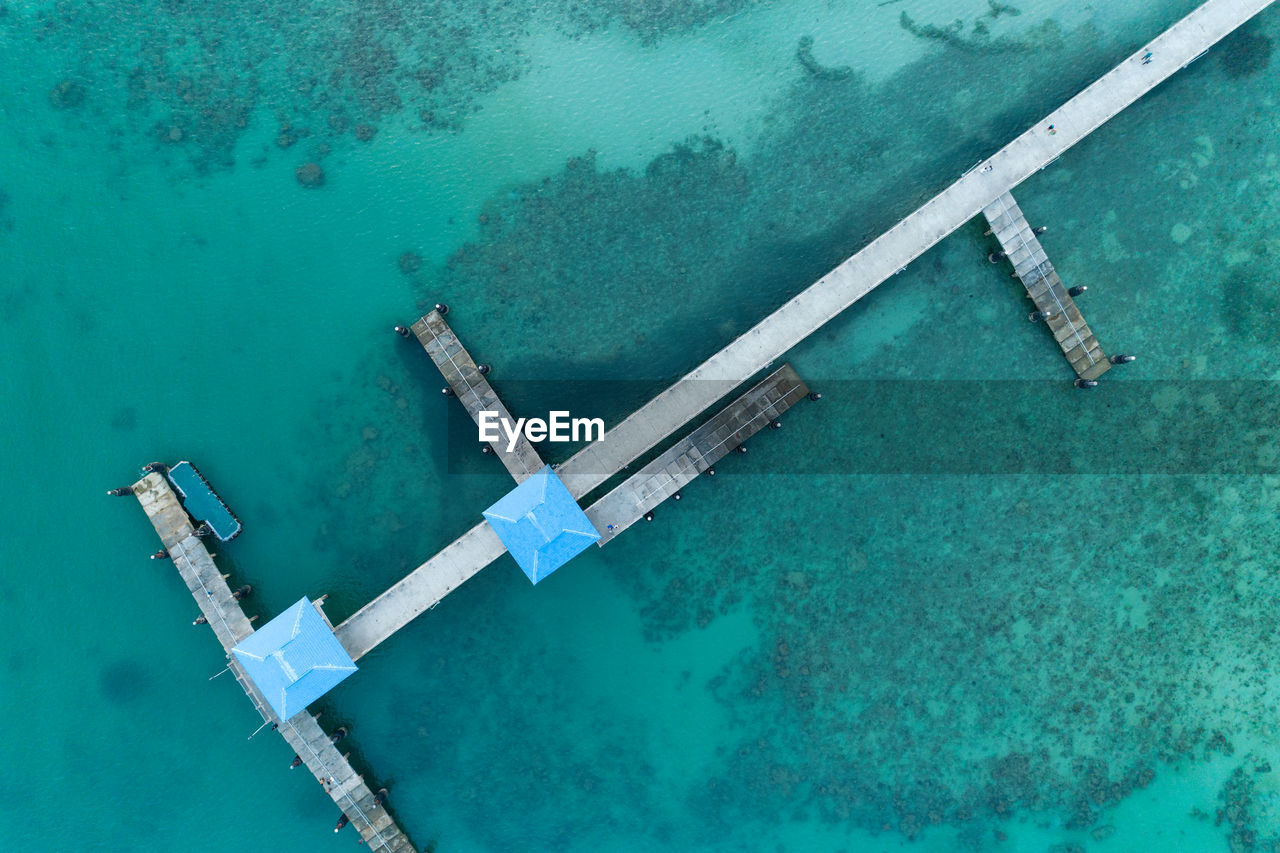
x,y
192,560
474,391
723,433
1045,287
225,616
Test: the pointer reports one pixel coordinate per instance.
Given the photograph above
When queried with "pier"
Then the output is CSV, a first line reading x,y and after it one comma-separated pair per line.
x,y
986,188
722,434
474,391
976,191
1031,265
227,618
424,587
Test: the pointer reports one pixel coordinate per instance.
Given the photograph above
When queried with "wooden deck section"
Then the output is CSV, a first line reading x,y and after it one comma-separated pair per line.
x,y
474,391
812,308
678,466
1045,287
227,619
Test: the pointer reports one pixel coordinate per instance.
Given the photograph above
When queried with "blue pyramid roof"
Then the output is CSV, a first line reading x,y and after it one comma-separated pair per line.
x,y
294,659
541,524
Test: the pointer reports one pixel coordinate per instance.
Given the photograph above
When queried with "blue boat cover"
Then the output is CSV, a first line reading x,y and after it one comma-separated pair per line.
x,y
294,659
541,524
201,503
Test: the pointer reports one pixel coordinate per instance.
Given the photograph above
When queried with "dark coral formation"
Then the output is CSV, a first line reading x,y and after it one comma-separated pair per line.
x,y
410,262
123,682
882,709
979,40
310,175
652,21
68,94
1250,300
996,9
1245,52
613,238
289,135
191,74
804,53
1238,811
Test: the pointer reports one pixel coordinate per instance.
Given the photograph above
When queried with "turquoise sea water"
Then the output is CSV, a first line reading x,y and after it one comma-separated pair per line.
x,y
831,647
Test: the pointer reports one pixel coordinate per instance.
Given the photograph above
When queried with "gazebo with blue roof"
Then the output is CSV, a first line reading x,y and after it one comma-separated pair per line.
x,y
541,524
294,659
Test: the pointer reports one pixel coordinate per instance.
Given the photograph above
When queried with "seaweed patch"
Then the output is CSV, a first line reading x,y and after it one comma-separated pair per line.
x,y
804,53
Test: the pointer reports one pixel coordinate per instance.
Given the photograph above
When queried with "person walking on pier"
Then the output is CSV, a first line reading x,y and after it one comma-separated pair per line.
x,y
1146,58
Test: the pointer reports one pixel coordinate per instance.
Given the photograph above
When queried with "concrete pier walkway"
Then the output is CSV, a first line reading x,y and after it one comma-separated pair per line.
x,y
420,590
1032,267
225,616
815,306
